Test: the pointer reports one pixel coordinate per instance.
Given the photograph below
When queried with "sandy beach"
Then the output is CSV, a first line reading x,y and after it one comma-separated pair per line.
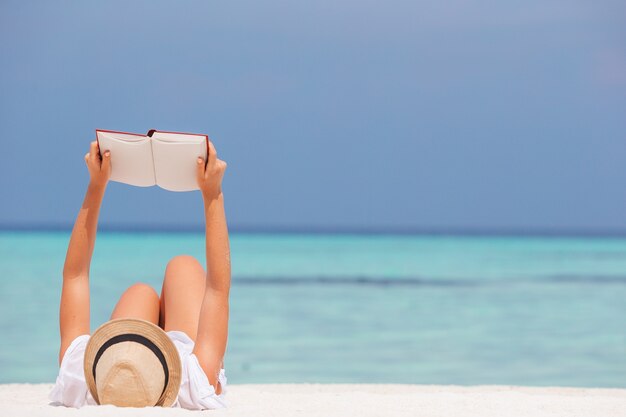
x,y
356,400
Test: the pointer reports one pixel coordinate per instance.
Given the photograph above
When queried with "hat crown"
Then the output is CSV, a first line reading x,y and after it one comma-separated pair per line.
x,y
129,375
132,362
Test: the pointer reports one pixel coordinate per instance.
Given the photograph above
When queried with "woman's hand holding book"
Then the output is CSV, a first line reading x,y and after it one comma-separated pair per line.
x,y
99,166
210,175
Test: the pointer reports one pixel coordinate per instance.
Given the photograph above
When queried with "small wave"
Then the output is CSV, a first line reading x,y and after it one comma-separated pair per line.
x,y
372,281
587,279
431,282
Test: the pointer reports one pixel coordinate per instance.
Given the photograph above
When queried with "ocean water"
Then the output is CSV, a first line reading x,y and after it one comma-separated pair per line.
x,y
357,308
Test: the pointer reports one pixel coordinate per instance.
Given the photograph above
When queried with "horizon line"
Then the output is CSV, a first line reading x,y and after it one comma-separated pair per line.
x,y
330,230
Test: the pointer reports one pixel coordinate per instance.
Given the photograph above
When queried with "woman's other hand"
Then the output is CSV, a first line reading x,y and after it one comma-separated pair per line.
x,y
99,167
209,175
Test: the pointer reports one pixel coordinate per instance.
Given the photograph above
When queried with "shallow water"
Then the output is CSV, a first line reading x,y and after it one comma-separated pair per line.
x,y
357,308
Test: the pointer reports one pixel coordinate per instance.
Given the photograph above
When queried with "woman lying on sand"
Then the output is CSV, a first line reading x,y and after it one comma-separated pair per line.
x,y
163,350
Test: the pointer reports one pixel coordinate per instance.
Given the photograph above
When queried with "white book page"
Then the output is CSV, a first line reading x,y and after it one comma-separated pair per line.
x,y
178,137
175,163
131,158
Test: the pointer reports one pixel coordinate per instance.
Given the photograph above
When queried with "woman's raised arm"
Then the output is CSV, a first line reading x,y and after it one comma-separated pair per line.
x,y
74,311
213,323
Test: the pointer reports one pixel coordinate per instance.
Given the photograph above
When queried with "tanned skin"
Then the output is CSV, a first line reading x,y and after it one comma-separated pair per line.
x,y
74,314
191,300
213,323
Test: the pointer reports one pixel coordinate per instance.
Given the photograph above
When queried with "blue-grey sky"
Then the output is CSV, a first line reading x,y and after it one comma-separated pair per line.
x,y
331,114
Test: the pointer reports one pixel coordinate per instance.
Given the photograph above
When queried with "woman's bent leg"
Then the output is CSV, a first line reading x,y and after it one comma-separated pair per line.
x,y
139,301
182,295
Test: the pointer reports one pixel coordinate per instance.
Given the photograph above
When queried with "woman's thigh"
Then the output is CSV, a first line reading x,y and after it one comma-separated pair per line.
x,y
182,295
139,301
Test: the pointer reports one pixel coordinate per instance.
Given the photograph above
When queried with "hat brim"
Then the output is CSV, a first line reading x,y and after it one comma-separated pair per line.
x,y
143,328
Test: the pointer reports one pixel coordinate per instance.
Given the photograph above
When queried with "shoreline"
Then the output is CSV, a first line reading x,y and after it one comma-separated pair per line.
x,y
362,400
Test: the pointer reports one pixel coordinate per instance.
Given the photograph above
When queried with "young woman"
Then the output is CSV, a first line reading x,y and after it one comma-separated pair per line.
x,y
192,311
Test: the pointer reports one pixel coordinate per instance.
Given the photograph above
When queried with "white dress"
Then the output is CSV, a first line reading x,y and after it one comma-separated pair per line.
x,y
195,391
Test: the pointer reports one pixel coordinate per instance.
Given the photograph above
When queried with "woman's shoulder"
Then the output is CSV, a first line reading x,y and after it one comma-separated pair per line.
x,y
196,392
76,348
70,388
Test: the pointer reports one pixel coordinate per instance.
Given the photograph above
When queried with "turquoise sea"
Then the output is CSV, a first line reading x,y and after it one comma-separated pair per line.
x,y
357,308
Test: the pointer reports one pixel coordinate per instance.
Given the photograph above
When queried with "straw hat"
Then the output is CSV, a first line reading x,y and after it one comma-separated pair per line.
x,y
132,363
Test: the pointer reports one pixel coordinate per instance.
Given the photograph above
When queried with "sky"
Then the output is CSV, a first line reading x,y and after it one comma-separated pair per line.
x,y
332,115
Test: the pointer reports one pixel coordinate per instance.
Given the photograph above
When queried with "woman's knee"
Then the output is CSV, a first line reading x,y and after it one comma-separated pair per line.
x,y
138,301
183,272
183,262
142,290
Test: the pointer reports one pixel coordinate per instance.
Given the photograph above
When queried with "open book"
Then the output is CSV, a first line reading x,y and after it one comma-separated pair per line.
x,y
166,159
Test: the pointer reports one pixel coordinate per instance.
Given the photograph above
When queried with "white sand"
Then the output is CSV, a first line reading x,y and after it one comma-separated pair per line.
x,y
356,400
